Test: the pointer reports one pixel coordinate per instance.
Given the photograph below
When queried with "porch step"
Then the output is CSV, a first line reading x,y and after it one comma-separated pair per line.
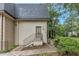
x,y
35,43
38,43
30,44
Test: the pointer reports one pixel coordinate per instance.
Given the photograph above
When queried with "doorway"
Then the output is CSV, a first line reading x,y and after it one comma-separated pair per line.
x,y
38,31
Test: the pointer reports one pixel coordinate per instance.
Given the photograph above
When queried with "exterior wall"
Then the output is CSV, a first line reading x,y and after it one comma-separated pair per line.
x,y
6,32
9,32
26,28
0,30
15,34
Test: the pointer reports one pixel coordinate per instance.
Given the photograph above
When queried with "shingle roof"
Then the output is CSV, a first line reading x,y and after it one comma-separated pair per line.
x,y
1,6
9,7
26,10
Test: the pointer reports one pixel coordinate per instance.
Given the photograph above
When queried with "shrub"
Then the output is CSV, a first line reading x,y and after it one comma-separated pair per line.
x,y
67,46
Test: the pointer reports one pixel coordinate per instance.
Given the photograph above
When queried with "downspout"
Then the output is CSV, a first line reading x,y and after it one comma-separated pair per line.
x,y
47,33
18,31
2,34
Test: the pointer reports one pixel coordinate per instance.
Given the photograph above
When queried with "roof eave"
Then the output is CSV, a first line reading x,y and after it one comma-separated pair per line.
x,y
34,19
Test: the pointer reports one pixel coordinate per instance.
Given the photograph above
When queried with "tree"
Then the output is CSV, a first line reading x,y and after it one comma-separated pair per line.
x,y
61,30
72,6
53,21
72,23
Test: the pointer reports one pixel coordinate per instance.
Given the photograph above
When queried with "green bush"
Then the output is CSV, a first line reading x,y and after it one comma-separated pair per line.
x,y
67,45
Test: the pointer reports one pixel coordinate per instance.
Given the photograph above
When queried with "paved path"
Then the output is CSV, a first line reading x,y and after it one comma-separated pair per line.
x,y
47,49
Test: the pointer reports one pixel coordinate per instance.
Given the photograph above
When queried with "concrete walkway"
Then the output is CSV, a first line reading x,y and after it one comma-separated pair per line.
x,y
26,52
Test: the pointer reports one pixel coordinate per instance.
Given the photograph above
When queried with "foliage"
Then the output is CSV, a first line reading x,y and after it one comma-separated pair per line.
x,y
67,45
72,6
60,30
53,21
72,22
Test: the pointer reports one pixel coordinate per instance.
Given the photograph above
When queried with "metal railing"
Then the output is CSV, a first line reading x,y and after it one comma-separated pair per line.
x,y
30,39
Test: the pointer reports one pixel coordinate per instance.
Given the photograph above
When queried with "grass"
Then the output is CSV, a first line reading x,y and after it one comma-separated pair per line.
x,y
8,50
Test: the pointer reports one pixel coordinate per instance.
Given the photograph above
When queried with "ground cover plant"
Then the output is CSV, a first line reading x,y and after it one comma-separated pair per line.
x,y
67,45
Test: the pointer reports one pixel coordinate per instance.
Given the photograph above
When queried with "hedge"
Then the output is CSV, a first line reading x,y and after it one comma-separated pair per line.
x,y
67,45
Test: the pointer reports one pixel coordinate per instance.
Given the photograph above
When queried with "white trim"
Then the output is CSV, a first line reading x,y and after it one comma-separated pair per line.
x,y
3,33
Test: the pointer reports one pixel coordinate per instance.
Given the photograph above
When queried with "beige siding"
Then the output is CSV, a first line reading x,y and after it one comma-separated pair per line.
x,y
26,28
0,29
9,32
15,34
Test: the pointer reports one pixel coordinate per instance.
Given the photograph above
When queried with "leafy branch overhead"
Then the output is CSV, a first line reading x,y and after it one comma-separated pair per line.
x,y
71,20
53,20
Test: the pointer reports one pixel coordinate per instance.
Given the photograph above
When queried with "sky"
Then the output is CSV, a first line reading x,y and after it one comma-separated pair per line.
x,y
63,17
64,12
